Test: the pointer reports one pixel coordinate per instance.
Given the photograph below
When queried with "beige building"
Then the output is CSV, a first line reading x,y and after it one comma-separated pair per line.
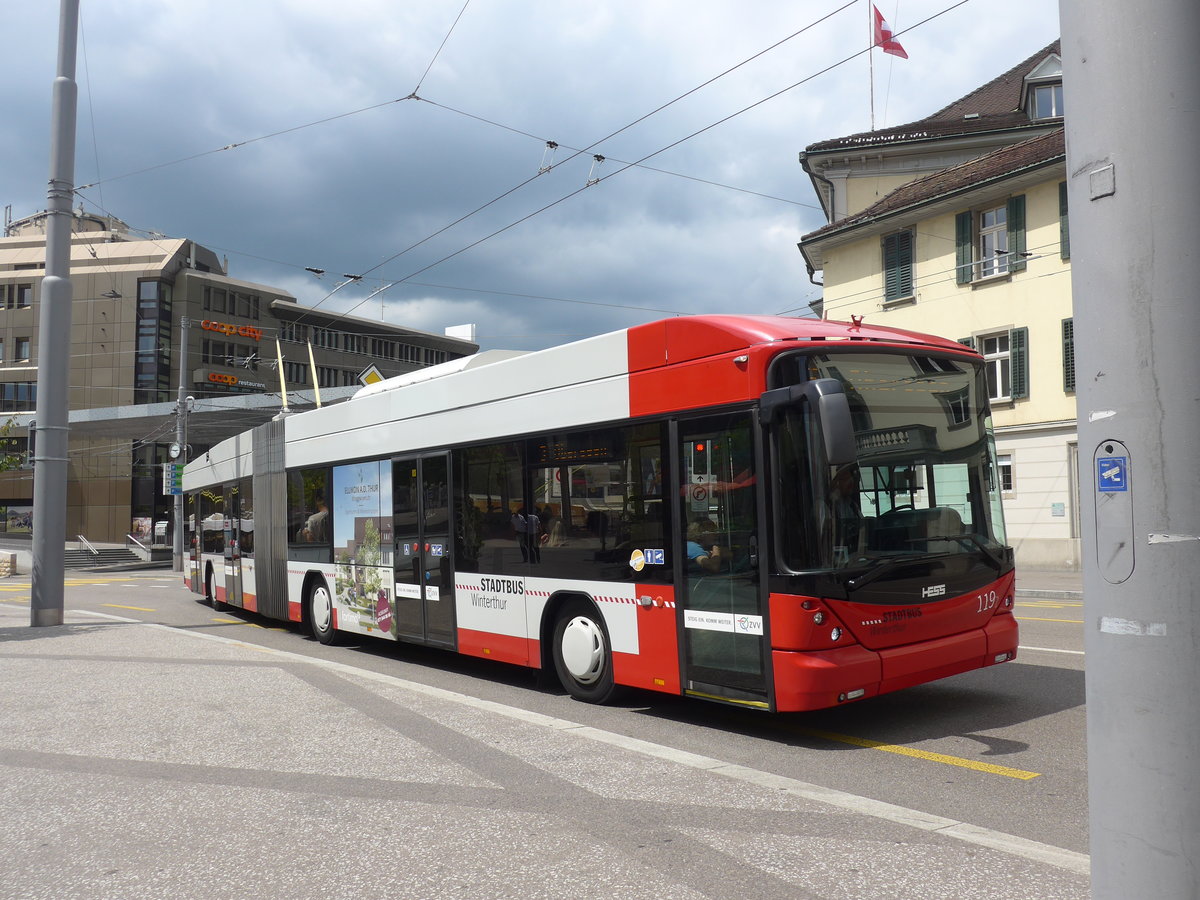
x,y
141,307
957,225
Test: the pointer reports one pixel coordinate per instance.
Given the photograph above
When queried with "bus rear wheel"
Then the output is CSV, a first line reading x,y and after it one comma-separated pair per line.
x,y
210,594
320,612
582,657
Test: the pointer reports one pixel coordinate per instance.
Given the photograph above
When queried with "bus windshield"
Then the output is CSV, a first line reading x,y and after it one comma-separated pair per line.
x,y
924,483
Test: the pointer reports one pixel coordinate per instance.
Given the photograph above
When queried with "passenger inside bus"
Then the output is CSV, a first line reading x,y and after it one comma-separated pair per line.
x,y
703,553
314,525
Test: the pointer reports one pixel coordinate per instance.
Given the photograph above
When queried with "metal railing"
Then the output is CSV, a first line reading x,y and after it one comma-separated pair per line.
x,y
130,539
86,544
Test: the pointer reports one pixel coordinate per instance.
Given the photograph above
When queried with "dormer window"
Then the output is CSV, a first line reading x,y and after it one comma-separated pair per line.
x,y
1044,90
1045,101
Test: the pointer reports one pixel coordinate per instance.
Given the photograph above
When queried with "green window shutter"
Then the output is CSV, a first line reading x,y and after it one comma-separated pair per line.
x,y
1064,232
897,266
1068,339
1018,350
967,342
1016,234
963,249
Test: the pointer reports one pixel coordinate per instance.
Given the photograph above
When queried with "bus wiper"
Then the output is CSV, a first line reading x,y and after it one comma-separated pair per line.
x,y
885,565
996,561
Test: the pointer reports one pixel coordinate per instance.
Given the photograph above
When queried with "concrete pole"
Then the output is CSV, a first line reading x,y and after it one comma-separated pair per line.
x,y
181,411
54,341
1132,86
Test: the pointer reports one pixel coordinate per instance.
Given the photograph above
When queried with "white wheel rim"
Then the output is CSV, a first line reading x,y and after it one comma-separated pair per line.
x,y
582,649
322,609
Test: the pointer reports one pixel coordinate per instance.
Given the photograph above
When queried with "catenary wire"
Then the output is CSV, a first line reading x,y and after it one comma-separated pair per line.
x,y
438,53
661,150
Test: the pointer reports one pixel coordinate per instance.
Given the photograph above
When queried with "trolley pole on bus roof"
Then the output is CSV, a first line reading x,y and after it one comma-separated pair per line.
x,y
54,342
1132,82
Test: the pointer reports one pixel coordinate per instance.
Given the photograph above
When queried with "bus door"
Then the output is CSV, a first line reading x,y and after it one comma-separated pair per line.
x,y
424,546
191,544
233,556
723,598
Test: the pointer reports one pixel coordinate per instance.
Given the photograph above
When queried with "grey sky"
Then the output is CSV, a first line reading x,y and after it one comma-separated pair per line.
x,y
165,81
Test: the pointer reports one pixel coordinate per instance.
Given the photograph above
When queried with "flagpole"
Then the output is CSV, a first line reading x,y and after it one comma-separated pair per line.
x,y
871,56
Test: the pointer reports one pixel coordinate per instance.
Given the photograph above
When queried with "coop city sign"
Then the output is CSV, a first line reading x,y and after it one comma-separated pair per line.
x,y
229,328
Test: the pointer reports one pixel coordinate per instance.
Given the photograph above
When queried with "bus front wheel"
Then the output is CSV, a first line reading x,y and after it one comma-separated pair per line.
x,y
320,612
582,657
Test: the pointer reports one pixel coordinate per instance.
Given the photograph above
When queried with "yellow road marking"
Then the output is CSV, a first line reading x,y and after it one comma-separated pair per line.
x,y
119,606
14,599
1040,619
1050,604
989,768
221,621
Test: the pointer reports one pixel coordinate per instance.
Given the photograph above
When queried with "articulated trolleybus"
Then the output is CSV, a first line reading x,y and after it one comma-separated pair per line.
x,y
780,513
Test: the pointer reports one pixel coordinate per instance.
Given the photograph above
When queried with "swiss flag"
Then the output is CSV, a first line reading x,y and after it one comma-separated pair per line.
x,y
883,36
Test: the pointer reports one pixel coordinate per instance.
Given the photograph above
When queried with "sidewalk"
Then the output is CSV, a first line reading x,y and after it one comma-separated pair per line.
x,y
141,761
1050,584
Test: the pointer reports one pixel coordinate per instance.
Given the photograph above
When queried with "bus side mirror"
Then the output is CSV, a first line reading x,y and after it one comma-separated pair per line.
x,y
830,406
828,398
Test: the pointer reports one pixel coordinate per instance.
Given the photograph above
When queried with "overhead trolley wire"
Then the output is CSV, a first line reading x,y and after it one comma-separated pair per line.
x,y
574,155
438,53
670,146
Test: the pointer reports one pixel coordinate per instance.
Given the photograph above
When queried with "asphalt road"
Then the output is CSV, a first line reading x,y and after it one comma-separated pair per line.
x,y
1002,748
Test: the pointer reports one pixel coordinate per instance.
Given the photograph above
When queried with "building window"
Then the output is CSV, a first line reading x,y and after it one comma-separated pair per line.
x,y
22,349
215,299
1068,343
897,266
18,396
382,349
356,343
245,305
295,373
993,242
1005,356
990,241
997,357
291,331
1004,467
1045,101
16,296
324,337
433,357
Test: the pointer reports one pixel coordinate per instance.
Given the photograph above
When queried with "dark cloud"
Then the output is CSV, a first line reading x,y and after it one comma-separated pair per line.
x,y
166,82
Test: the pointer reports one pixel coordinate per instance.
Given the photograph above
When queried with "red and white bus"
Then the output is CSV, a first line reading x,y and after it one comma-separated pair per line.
x,y
779,513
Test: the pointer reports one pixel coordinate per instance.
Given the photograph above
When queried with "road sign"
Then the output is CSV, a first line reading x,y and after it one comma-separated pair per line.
x,y
172,479
1112,474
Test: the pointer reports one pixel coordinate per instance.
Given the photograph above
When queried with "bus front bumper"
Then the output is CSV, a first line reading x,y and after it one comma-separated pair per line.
x,y
819,679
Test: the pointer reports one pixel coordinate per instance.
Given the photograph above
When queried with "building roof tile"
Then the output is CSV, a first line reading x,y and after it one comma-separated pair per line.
x,y
997,164
996,106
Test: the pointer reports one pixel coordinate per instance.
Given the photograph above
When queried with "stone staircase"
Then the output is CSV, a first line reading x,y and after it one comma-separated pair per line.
x,y
103,557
